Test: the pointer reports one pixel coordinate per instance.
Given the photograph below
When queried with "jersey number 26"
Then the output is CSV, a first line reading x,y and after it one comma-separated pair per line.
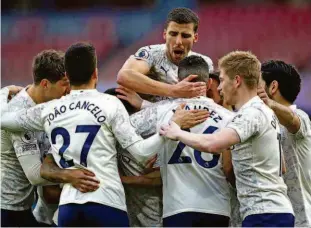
x,y
177,159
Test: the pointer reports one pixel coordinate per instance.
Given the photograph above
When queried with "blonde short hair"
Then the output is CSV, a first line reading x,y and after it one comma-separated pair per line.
x,y
242,63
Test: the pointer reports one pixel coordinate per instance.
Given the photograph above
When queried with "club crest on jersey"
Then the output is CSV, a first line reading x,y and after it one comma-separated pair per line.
x,y
28,137
142,54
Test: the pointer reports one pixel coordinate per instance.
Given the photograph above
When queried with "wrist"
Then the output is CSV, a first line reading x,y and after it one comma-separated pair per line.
x,y
272,104
171,91
179,135
65,176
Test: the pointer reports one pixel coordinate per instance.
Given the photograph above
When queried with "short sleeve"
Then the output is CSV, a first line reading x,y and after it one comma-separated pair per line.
x,y
25,143
305,124
122,128
247,123
145,54
4,94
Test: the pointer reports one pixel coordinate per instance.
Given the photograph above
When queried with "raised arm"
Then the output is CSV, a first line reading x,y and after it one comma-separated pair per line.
x,y
126,135
212,143
287,117
244,125
25,119
133,76
5,94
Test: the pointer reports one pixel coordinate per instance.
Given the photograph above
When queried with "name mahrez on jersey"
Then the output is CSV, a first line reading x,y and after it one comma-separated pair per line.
x,y
212,113
86,105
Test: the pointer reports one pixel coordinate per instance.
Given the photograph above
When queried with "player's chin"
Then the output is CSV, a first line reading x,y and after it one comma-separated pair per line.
x,y
178,58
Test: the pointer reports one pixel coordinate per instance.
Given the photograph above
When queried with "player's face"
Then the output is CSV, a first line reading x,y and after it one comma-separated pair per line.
x,y
214,93
262,83
226,88
179,40
58,89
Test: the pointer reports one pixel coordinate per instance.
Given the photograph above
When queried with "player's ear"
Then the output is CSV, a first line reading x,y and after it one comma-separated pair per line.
x,y
95,74
238,80
164,34
273,88
209,84
196,37
45,83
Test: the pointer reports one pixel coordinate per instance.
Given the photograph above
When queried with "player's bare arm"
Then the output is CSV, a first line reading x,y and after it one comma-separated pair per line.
x,y
212,143
131,96
51,193
133,76
152,179
81,179
285,115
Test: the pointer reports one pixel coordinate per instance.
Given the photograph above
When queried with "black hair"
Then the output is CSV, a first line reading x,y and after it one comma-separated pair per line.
x,y
129,108
183,16
285,74
80,63
215,75
196,65
48,64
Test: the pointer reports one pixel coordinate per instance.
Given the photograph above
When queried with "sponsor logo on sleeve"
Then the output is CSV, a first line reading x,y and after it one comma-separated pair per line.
x,y
143,54
28,137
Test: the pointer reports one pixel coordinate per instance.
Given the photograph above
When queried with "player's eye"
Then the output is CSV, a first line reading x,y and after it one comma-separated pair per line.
x,y
173,33
185,35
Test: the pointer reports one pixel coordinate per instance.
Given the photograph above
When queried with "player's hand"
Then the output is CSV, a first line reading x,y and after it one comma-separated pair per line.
x,y
13,90
264,96
131,96
170,131
189,118
186,88
149,165
83,180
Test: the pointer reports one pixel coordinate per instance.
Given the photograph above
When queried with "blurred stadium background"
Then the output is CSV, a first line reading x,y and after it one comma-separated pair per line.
x,y
117,28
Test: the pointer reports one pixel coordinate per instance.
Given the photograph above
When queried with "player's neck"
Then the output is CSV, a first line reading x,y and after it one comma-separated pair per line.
x,y
244,96
35,94
282,101
83,87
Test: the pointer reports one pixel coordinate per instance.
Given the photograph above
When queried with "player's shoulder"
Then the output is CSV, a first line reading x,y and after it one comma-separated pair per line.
x,y
256,105
156,50
301,114
206,58
21,100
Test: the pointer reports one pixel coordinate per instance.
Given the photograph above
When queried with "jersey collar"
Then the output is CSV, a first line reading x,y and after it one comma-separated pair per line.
x,y
255,99
83,91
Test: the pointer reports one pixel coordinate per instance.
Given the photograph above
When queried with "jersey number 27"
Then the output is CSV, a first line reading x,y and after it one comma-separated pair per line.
x,y
91,129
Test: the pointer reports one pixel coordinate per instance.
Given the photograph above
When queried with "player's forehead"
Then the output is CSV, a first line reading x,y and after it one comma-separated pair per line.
x,y
181,28
222,74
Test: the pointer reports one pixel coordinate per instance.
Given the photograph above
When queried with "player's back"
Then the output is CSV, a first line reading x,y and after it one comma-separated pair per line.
x,y
83,127
297,154
257,161
194,181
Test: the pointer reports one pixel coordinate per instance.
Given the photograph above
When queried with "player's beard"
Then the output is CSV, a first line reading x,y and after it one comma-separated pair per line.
x,y
267,92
